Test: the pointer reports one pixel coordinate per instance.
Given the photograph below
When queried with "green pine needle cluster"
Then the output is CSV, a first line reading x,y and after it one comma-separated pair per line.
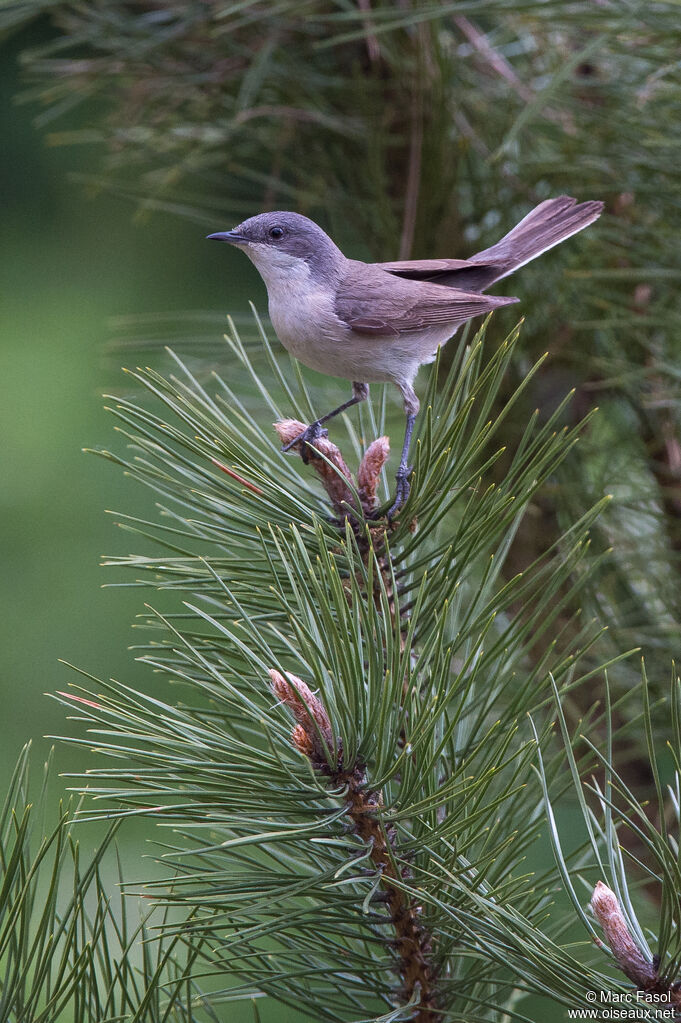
x,y
288,854
70,947
618,825
363,742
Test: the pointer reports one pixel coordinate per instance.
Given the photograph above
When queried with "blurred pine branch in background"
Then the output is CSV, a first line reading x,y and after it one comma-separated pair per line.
x,y
70,948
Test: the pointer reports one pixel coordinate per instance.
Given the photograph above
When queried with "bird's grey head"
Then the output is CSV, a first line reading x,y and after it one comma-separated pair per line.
x,y
283,242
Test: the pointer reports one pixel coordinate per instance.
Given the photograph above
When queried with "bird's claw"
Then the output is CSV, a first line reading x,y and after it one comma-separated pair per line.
x,y
313,432
402,490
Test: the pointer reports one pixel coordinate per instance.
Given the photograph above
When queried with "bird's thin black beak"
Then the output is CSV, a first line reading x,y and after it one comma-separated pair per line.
x,y
232,237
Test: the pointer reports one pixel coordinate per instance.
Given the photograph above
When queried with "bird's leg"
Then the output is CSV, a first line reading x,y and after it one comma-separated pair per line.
x,y
360,392
402,490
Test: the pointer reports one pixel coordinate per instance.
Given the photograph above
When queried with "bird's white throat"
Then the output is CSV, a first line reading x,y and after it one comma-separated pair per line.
x,y
300,309
280,271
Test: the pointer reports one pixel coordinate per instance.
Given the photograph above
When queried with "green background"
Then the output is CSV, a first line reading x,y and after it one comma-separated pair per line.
x,y
71,263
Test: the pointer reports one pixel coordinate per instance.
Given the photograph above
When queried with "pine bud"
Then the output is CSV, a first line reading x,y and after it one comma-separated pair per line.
x,y
333,476
312,734
288,430
369,474
626,952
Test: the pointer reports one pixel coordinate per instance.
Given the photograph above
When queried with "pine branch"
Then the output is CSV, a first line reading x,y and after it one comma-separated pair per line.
x,y
394,821
312,736
611,810
68,951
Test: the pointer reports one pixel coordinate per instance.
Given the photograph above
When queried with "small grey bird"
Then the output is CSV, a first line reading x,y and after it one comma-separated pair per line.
x,y
381,321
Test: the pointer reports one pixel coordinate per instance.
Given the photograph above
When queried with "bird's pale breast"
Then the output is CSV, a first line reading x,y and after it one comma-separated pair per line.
x,y
304,318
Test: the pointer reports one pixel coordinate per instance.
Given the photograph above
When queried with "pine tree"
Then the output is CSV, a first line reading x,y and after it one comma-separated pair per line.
x,y
357,751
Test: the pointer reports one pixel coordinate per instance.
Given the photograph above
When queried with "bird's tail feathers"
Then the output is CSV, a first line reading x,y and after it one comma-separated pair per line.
x,y
546,225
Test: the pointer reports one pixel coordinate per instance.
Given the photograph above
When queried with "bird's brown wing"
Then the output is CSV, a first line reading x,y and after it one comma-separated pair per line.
x,y
371,301
466,274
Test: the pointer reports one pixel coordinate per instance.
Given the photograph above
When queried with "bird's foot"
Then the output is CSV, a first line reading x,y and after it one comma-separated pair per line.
x,y
402,490
313,432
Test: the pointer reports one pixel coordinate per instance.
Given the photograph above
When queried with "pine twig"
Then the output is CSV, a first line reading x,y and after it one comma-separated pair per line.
x,y
626,952
313,737
333,471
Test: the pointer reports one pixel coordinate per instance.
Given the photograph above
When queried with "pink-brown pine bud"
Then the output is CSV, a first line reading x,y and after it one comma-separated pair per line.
x,y
369,474
302,741
289,429
626,952
313,729
336,476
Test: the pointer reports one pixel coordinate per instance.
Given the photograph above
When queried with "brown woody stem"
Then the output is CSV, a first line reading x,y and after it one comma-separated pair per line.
x,y
412,940
312,736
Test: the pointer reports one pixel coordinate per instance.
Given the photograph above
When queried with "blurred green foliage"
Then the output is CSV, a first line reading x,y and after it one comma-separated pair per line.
x,y
74,268
69,264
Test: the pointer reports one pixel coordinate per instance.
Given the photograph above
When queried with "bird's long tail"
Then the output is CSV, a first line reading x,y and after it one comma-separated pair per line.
x,y
545,226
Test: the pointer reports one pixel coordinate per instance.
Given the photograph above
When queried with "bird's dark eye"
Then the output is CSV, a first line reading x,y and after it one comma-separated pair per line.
x,y
276,232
